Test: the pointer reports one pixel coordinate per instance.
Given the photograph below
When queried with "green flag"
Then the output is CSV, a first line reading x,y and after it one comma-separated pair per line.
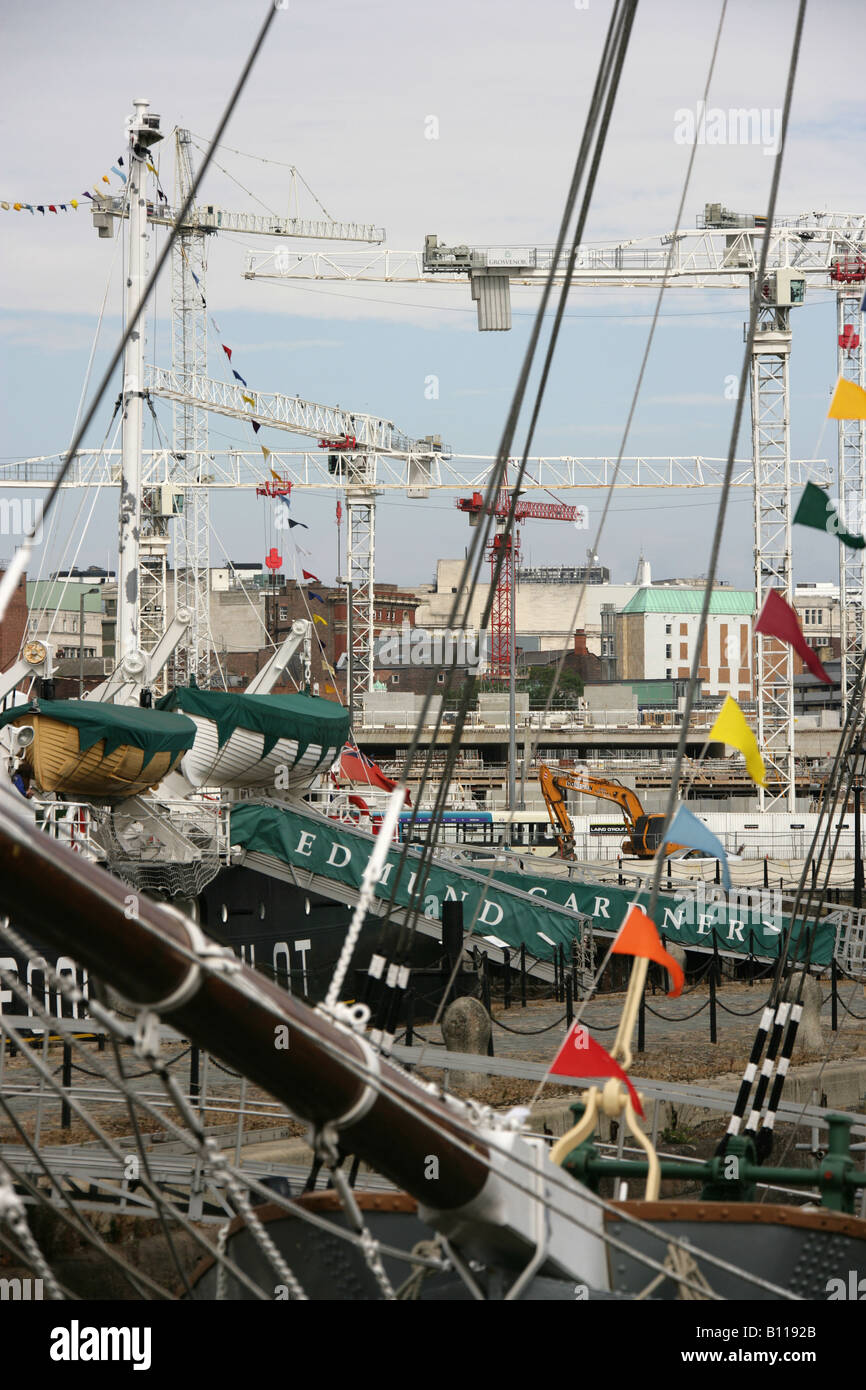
x,y
816,509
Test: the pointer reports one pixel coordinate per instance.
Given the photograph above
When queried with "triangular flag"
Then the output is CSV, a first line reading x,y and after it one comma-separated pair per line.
x,y
120,159
330,690
849,401
339,510
115,170
237,376
40,208
227,351
778,619
51,207
18,206
307,575
687,830
73,203
731,728
275,474
106,179
318,597
638,937
152,170
296,523
581,1055
249,400
256,426
817,510
318,619
267,453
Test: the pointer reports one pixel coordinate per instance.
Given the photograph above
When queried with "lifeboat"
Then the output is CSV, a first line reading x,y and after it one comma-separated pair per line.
x,y
275,741
84,749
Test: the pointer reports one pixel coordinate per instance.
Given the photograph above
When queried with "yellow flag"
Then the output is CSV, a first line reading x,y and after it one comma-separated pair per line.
x,y
249,400
317,619
17,206
266,451
106,179
73,203
849,401
329,690
275,474
152,170
731,728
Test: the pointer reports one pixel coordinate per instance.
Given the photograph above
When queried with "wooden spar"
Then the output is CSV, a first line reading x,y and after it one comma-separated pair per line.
x,y
62,900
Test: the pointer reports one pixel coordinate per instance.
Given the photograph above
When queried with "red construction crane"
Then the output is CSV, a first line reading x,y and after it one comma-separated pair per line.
x,y
501,633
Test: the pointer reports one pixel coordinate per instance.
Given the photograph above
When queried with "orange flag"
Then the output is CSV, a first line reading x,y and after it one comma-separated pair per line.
x,y
638,937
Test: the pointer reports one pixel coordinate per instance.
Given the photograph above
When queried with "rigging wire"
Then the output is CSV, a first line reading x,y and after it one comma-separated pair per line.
x,y
19,561
616,42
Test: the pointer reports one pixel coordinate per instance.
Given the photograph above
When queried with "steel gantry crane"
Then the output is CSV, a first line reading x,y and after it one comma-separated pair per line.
x,y
503,633
824,250
185,497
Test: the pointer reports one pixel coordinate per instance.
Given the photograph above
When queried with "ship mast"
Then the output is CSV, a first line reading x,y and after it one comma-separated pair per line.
x,y
143,133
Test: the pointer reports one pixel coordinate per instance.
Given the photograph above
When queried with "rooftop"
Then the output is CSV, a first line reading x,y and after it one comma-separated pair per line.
x,y
675,600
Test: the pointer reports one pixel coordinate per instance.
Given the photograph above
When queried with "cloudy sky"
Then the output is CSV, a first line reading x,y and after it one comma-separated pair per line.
x,y
344,92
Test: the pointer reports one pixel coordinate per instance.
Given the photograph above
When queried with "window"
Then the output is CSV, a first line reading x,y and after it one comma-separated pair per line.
x,y
440,678
820,616
284,613
668,651
395,680
668,673
667,629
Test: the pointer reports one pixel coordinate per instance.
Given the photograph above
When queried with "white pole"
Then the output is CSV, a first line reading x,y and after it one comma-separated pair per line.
x,y
143,132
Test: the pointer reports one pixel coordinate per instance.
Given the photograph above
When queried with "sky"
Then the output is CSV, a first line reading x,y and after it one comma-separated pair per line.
x,y
345,93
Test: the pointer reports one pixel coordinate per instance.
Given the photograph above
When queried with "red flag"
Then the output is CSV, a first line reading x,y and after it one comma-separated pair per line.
x,y
581,1055
227,351
638,937
307,575
339,511
778,619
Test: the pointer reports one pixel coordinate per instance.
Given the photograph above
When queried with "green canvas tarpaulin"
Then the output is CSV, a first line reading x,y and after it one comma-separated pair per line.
x,y
151,730
304,718
519,909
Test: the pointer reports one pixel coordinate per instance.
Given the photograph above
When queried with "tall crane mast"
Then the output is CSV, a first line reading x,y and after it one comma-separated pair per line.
x,y
186,498
822,249
503,607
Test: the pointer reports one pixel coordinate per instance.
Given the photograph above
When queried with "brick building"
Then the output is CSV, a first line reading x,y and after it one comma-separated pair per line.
x,y
14,625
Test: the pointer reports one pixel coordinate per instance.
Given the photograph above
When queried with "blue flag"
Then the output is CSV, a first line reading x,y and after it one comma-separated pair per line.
x,y
317,597
239,377
686,829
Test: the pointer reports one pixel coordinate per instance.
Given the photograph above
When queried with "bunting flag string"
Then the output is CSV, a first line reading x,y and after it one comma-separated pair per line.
x,y
817,509
10,205
849,401
686,829
778,619
731,728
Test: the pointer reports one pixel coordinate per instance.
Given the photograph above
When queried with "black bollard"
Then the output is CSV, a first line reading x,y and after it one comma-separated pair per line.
x,y
65,1111
619,871
766,872
834,995
641,1022
858,857
718,871
569,1003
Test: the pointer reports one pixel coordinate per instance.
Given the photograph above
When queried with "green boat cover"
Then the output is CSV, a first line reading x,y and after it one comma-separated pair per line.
x,y
151,730
537,911
306,718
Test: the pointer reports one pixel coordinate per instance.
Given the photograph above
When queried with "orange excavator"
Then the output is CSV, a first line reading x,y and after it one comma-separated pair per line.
x,y
645,830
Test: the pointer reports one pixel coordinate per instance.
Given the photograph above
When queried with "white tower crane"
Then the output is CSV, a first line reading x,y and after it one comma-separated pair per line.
x,y
185,498
825,250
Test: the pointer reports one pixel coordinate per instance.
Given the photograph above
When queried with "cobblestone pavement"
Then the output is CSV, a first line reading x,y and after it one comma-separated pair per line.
x,y
677,1030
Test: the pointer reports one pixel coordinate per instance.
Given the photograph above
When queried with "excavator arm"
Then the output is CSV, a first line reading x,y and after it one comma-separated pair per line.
x,y
644,830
